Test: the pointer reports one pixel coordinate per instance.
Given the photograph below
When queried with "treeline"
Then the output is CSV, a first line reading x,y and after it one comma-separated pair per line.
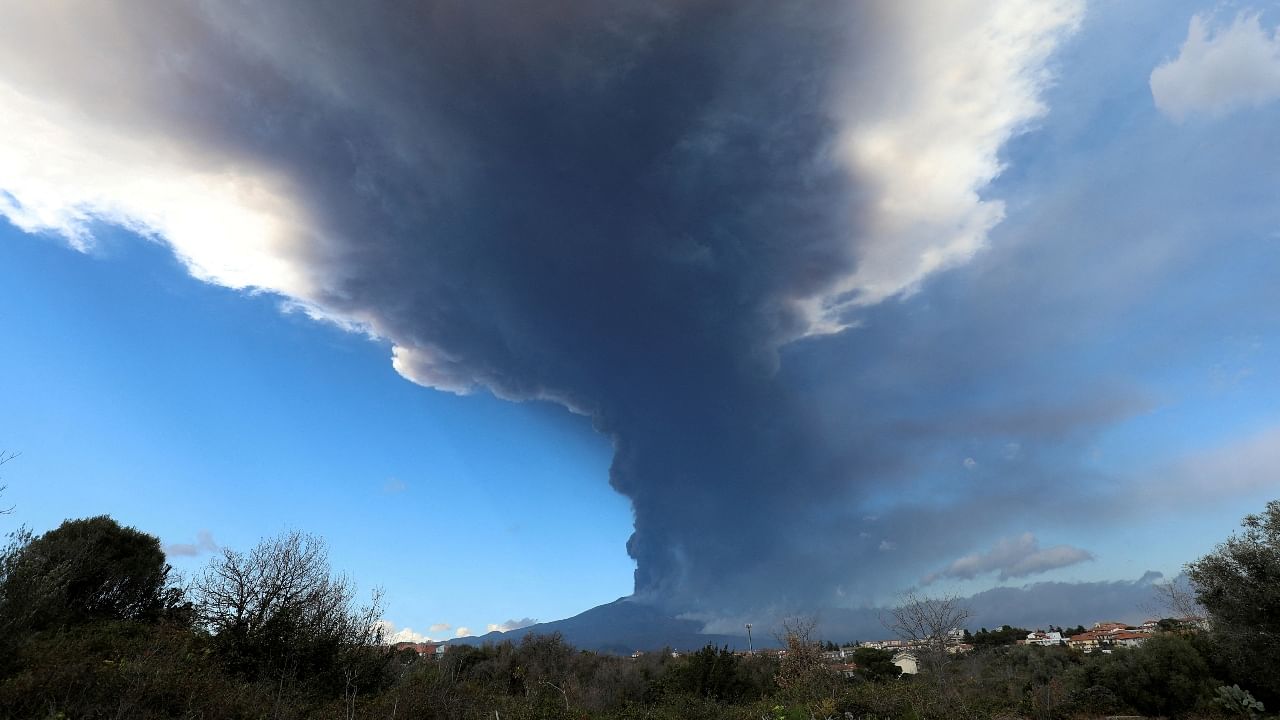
x,y
93,625
1008,635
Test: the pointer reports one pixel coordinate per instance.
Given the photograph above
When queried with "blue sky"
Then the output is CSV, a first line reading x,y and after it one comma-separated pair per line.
x,y
176,407
743,311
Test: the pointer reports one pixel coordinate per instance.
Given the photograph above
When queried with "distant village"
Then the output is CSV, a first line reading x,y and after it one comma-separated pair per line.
x,y
1103,637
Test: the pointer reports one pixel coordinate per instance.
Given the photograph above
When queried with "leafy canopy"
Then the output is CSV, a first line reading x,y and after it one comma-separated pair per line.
x,y
83,571
1239,584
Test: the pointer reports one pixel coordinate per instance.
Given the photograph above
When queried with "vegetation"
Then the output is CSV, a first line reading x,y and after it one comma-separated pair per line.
x,y
84,571
1005,635
931,625
277,613
1239,585
94,627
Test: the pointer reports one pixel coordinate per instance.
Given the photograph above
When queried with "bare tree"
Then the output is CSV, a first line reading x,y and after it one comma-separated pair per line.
x,y
1177,598
6,456
277,612
931,627
802,673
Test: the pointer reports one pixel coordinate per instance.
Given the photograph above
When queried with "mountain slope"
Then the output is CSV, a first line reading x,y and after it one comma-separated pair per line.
x,y
622,626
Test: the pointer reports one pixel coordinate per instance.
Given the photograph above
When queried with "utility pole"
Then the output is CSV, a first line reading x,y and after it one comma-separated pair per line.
x,y
750,647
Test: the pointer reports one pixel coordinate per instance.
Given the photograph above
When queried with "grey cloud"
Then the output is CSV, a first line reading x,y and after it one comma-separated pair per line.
x,y
1240,467
626,209
1058,333
1036,605
1013,557
1059,603
204,544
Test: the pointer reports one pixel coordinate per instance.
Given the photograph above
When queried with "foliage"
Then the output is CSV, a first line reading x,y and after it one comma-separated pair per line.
x,y
1238,702
122,669
1092,701
802,672
1168,675
875,665
84,571
714,674
1239,584
1005,635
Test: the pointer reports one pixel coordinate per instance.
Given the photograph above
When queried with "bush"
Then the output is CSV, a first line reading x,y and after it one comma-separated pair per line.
x,y
1238,702
1167,675
84,571
123,669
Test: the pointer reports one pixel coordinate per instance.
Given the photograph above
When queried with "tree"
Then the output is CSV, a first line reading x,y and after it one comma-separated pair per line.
x,y
545,664
278,613
83,571
1167,675
929,626
1005,635
1177,597
802,673
710,672
1239,584
875,665
6,456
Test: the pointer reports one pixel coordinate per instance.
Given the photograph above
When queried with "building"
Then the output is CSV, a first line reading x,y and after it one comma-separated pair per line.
x,y
846,670
424,650
907,662
1085,641
1046,639
1128,639
1106,635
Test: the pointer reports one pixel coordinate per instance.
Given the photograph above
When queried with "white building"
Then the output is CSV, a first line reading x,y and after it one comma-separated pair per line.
x,y
1046,639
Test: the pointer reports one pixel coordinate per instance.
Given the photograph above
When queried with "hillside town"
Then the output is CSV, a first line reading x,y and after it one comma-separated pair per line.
x,y
1103,637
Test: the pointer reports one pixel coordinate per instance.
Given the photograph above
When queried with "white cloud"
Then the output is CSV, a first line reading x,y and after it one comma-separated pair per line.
x,y
922,130
233,225
204,543
392,634
887,546
440,627
970,463
394,486
1012,558
1220,70
120,140
510,625
462,632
